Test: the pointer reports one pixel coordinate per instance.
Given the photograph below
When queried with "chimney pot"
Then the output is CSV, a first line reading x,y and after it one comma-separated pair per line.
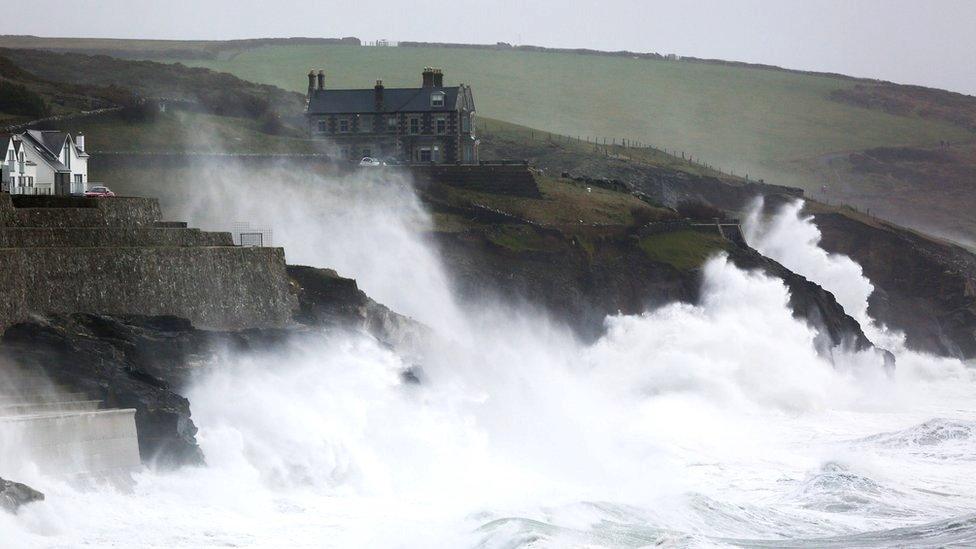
x,y
80,142
378,95
320,80
428,77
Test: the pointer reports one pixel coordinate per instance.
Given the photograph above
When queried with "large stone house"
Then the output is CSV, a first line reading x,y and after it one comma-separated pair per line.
x,y
430,124
44,162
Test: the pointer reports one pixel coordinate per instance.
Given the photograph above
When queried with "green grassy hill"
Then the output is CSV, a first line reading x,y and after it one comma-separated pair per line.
x,y
741,119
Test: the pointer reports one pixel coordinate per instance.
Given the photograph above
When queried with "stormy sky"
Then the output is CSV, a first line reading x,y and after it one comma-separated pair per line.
x,y
928,42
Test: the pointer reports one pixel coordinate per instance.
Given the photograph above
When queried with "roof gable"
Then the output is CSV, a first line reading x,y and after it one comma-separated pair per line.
x,y
52,140
41,144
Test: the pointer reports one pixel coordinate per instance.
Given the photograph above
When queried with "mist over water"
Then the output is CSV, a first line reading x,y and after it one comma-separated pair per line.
x,y
689,425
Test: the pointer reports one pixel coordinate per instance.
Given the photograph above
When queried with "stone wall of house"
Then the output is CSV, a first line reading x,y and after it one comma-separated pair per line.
x,y
114,256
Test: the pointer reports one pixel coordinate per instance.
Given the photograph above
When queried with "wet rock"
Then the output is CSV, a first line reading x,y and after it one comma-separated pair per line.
x,y
14,494
327,299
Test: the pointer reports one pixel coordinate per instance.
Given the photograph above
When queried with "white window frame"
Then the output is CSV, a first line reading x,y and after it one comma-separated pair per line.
x,y
437,99
344,121
440,125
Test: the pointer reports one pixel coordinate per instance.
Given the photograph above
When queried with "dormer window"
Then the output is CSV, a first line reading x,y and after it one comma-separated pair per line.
x,y
437,99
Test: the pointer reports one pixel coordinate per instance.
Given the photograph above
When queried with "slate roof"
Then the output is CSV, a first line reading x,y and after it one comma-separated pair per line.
x,y
394,100
43,141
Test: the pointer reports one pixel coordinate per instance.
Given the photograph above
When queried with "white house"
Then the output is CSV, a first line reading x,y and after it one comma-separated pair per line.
x,y
17,174
45,162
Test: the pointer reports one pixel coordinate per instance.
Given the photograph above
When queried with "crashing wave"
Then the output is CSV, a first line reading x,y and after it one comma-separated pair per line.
x,y
934,432
835,488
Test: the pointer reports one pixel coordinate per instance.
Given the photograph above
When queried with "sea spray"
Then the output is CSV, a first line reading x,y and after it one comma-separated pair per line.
x,y
688,425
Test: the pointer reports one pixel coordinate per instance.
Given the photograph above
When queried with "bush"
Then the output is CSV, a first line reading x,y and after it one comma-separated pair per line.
x,y
698,210
139,111
18,100
270,124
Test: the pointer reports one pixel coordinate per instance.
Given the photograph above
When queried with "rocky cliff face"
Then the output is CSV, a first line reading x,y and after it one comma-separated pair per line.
x,y
923,287
14,494
582,284
147,362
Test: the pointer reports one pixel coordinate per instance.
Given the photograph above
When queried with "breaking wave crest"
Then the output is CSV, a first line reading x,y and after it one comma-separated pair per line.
x,y
714,424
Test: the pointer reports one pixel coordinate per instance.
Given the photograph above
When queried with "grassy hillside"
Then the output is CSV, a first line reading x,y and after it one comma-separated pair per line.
x,y
748,120
183,131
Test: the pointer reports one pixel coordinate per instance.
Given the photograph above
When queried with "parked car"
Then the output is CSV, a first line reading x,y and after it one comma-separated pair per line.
x,y
99,191
370,161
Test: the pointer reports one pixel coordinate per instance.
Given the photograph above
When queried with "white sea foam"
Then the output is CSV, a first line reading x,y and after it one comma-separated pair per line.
x,y
699,424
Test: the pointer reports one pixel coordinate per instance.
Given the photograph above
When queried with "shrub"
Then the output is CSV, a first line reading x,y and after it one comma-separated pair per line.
x,y
139,111
18,100
698,210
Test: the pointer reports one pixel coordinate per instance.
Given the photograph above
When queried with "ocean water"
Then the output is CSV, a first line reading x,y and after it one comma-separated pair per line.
x,y
713,425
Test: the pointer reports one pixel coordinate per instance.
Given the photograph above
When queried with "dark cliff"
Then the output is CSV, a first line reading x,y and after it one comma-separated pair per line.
x,y
148,362
923,287
581,283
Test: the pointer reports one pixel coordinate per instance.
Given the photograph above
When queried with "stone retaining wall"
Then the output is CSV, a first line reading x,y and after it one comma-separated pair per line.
x,y
88,237
512,179
117,258
223,287
107,212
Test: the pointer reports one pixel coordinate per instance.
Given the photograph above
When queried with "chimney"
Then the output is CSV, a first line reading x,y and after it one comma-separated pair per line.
x,y
80,142
428,77
321,80
311,81
378,95
438,78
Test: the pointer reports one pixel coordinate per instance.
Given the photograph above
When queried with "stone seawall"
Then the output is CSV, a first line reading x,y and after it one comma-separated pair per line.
x,y
46,237
114,256
512,179
117,212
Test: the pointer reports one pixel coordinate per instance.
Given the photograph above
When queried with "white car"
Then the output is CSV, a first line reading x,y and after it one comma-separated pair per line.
x,y
370,161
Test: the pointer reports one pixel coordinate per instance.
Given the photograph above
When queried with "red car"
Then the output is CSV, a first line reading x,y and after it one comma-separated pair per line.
x,y
99,190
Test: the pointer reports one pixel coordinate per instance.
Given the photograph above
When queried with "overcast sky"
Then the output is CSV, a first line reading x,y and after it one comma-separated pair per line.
x,y
928,42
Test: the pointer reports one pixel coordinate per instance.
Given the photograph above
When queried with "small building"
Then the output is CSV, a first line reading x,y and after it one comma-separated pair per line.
x,y
430,124
44,162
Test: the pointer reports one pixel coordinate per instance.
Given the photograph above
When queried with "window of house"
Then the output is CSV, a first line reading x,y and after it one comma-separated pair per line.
x,y
365,124
441,125
10,156
343,125
391,123
77,178
436,154
67,156
465,123
414,125
425,154
437,99
323,126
